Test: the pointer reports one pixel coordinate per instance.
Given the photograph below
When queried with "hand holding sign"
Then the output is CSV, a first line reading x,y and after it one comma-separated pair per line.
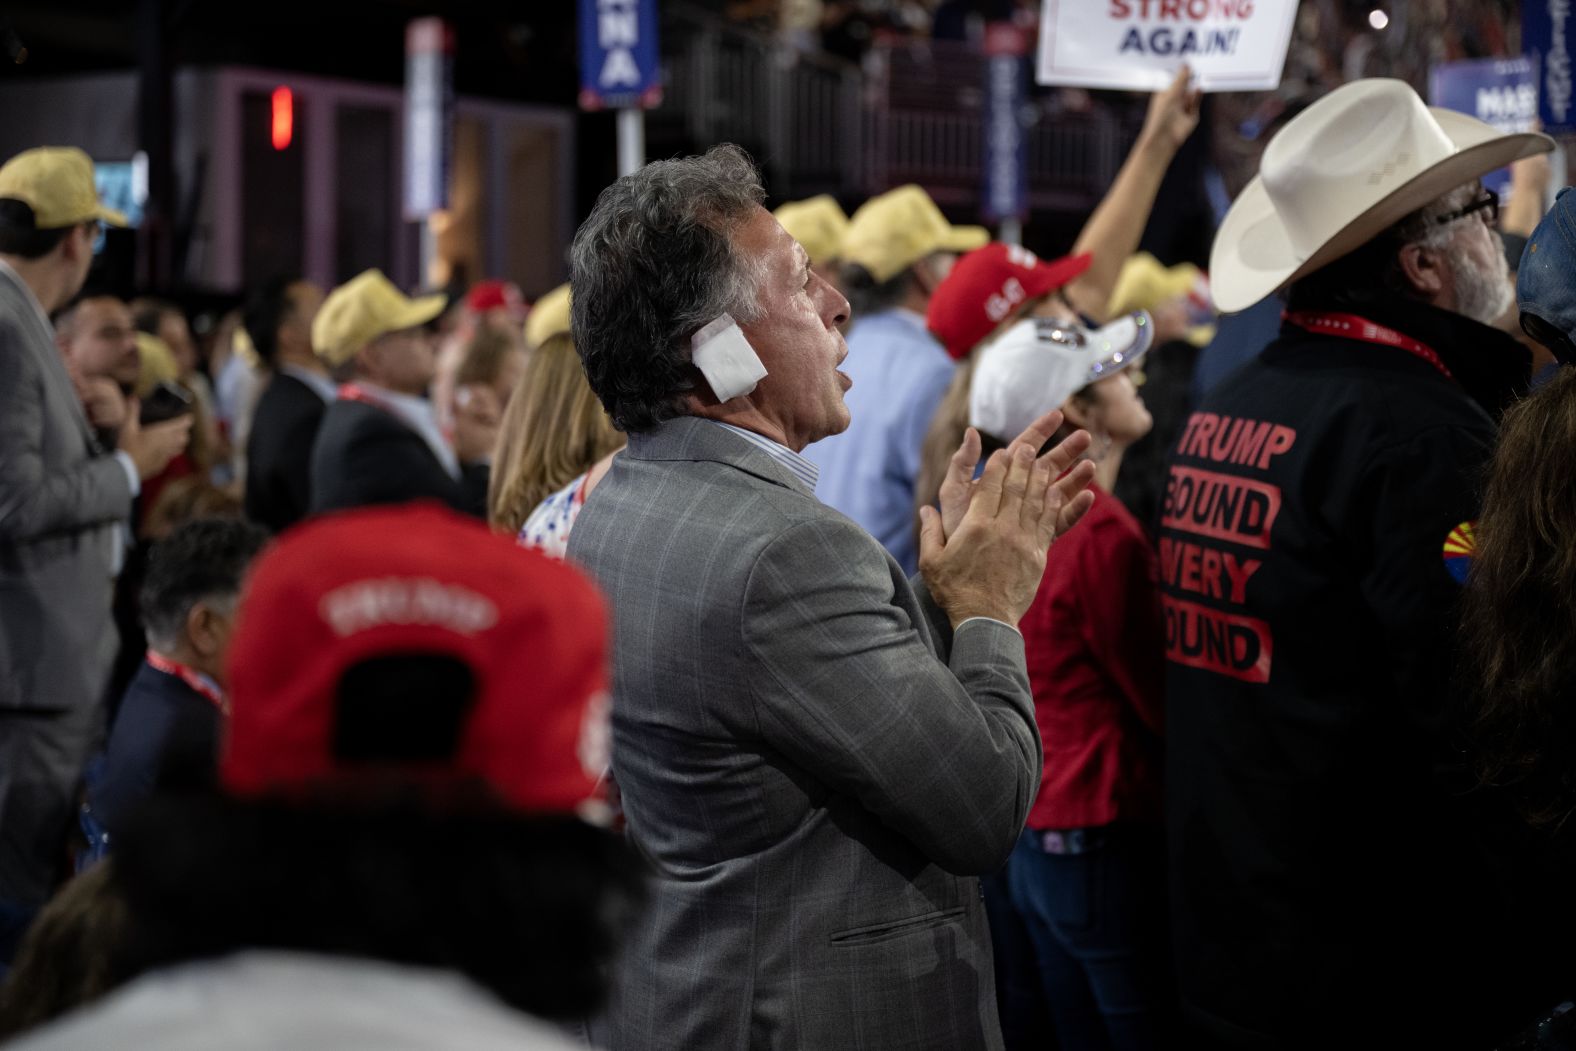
x,y
1232,45
1173,113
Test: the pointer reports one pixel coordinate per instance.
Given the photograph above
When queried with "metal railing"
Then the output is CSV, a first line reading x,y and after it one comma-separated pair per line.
x,y
798,114
926,115
913,113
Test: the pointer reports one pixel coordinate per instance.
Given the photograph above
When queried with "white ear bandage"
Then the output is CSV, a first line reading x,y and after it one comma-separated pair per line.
x,y
726,358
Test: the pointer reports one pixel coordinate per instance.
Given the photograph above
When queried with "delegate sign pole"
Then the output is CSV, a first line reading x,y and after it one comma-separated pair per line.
x,y
429,128
619,69
1546,34
1006,196
631,139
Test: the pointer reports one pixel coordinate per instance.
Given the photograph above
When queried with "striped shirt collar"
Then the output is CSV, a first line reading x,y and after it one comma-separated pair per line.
x,y
797,465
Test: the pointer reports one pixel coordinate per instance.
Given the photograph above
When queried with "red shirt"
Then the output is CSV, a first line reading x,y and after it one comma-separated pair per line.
x,y
182,466
1095,647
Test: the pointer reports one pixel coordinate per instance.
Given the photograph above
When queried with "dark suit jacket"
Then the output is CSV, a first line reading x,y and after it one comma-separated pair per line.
x,y
367,455
279,452
813,761
166,735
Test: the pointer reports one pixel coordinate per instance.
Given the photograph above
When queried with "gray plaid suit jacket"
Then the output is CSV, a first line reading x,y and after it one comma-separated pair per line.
x,y
61,498
813,765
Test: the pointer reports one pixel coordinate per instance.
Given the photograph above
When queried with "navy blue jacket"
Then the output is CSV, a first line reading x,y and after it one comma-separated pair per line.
x,y
366,455
166,734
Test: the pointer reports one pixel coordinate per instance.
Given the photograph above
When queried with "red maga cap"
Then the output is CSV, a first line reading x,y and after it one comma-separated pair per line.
x,y
497,295
990,285
419,580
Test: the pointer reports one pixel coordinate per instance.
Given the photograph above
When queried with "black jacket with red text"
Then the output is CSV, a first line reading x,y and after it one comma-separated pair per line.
x,y
1327,878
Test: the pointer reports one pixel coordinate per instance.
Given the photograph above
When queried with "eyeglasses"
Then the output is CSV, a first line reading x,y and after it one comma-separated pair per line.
x,y
1489,201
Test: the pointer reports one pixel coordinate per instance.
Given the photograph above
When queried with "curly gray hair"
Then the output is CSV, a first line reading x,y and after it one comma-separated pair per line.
x,y
653,263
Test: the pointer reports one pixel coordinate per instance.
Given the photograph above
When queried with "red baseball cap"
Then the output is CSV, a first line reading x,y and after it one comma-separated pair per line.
x,y
988,286
497,295
407,581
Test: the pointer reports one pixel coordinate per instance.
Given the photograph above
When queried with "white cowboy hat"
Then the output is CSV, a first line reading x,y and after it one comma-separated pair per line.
x,y
1346,168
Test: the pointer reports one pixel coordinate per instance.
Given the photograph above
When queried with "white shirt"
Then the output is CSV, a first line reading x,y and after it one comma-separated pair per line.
x,y
270,1000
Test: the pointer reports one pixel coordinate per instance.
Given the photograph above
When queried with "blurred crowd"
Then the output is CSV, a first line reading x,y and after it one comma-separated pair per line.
x,y
811,627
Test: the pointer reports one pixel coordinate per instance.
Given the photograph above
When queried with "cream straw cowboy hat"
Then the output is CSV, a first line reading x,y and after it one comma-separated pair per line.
x,y
1352,164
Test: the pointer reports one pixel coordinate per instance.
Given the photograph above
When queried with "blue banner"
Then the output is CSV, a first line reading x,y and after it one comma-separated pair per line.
x,y
1006,183
619,65
1501,92
1546,28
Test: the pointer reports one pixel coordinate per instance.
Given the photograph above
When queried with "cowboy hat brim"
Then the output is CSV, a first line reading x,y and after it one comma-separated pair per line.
x,y
1253,255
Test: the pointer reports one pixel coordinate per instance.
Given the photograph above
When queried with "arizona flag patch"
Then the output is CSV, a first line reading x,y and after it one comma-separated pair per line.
x,y
1460,546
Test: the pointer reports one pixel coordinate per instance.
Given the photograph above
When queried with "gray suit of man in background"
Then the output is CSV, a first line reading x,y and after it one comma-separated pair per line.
x,y
815,754
63,500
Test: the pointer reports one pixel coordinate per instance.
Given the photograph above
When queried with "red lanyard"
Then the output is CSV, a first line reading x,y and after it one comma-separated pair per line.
x,y
1350,326
191,677
356,392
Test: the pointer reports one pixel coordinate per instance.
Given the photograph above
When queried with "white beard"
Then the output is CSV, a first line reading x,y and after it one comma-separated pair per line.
x,y
1484,296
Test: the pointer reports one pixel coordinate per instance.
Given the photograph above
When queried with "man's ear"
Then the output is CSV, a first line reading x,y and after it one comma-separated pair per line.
x,y
203,629
368,359
921,278
78,243
1423,268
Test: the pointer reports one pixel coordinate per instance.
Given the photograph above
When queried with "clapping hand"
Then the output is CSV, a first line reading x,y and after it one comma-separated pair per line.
x,y
1173,113
959,485
1004,523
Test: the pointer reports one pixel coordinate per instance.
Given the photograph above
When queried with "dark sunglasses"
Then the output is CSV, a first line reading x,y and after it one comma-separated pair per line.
x,y
1489,201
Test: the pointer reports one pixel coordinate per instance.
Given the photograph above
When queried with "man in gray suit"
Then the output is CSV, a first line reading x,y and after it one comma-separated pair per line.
x,y
815,754
62,499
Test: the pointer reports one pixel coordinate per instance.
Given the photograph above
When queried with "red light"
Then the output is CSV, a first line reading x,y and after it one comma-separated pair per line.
x,y
284,118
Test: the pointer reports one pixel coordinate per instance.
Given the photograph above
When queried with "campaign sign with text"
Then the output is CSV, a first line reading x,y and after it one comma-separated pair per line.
x,y
1217,523
1231,45
1546,35
619,65
1500,91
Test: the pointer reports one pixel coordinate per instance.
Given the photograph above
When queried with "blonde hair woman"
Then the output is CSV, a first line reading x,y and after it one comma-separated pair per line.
x,y
554,445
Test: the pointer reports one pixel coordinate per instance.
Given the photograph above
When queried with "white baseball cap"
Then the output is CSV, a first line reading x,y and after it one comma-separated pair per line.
x,y
1037,364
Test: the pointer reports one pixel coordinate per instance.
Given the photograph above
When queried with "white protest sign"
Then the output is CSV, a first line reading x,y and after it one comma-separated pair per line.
x,y
1231,45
